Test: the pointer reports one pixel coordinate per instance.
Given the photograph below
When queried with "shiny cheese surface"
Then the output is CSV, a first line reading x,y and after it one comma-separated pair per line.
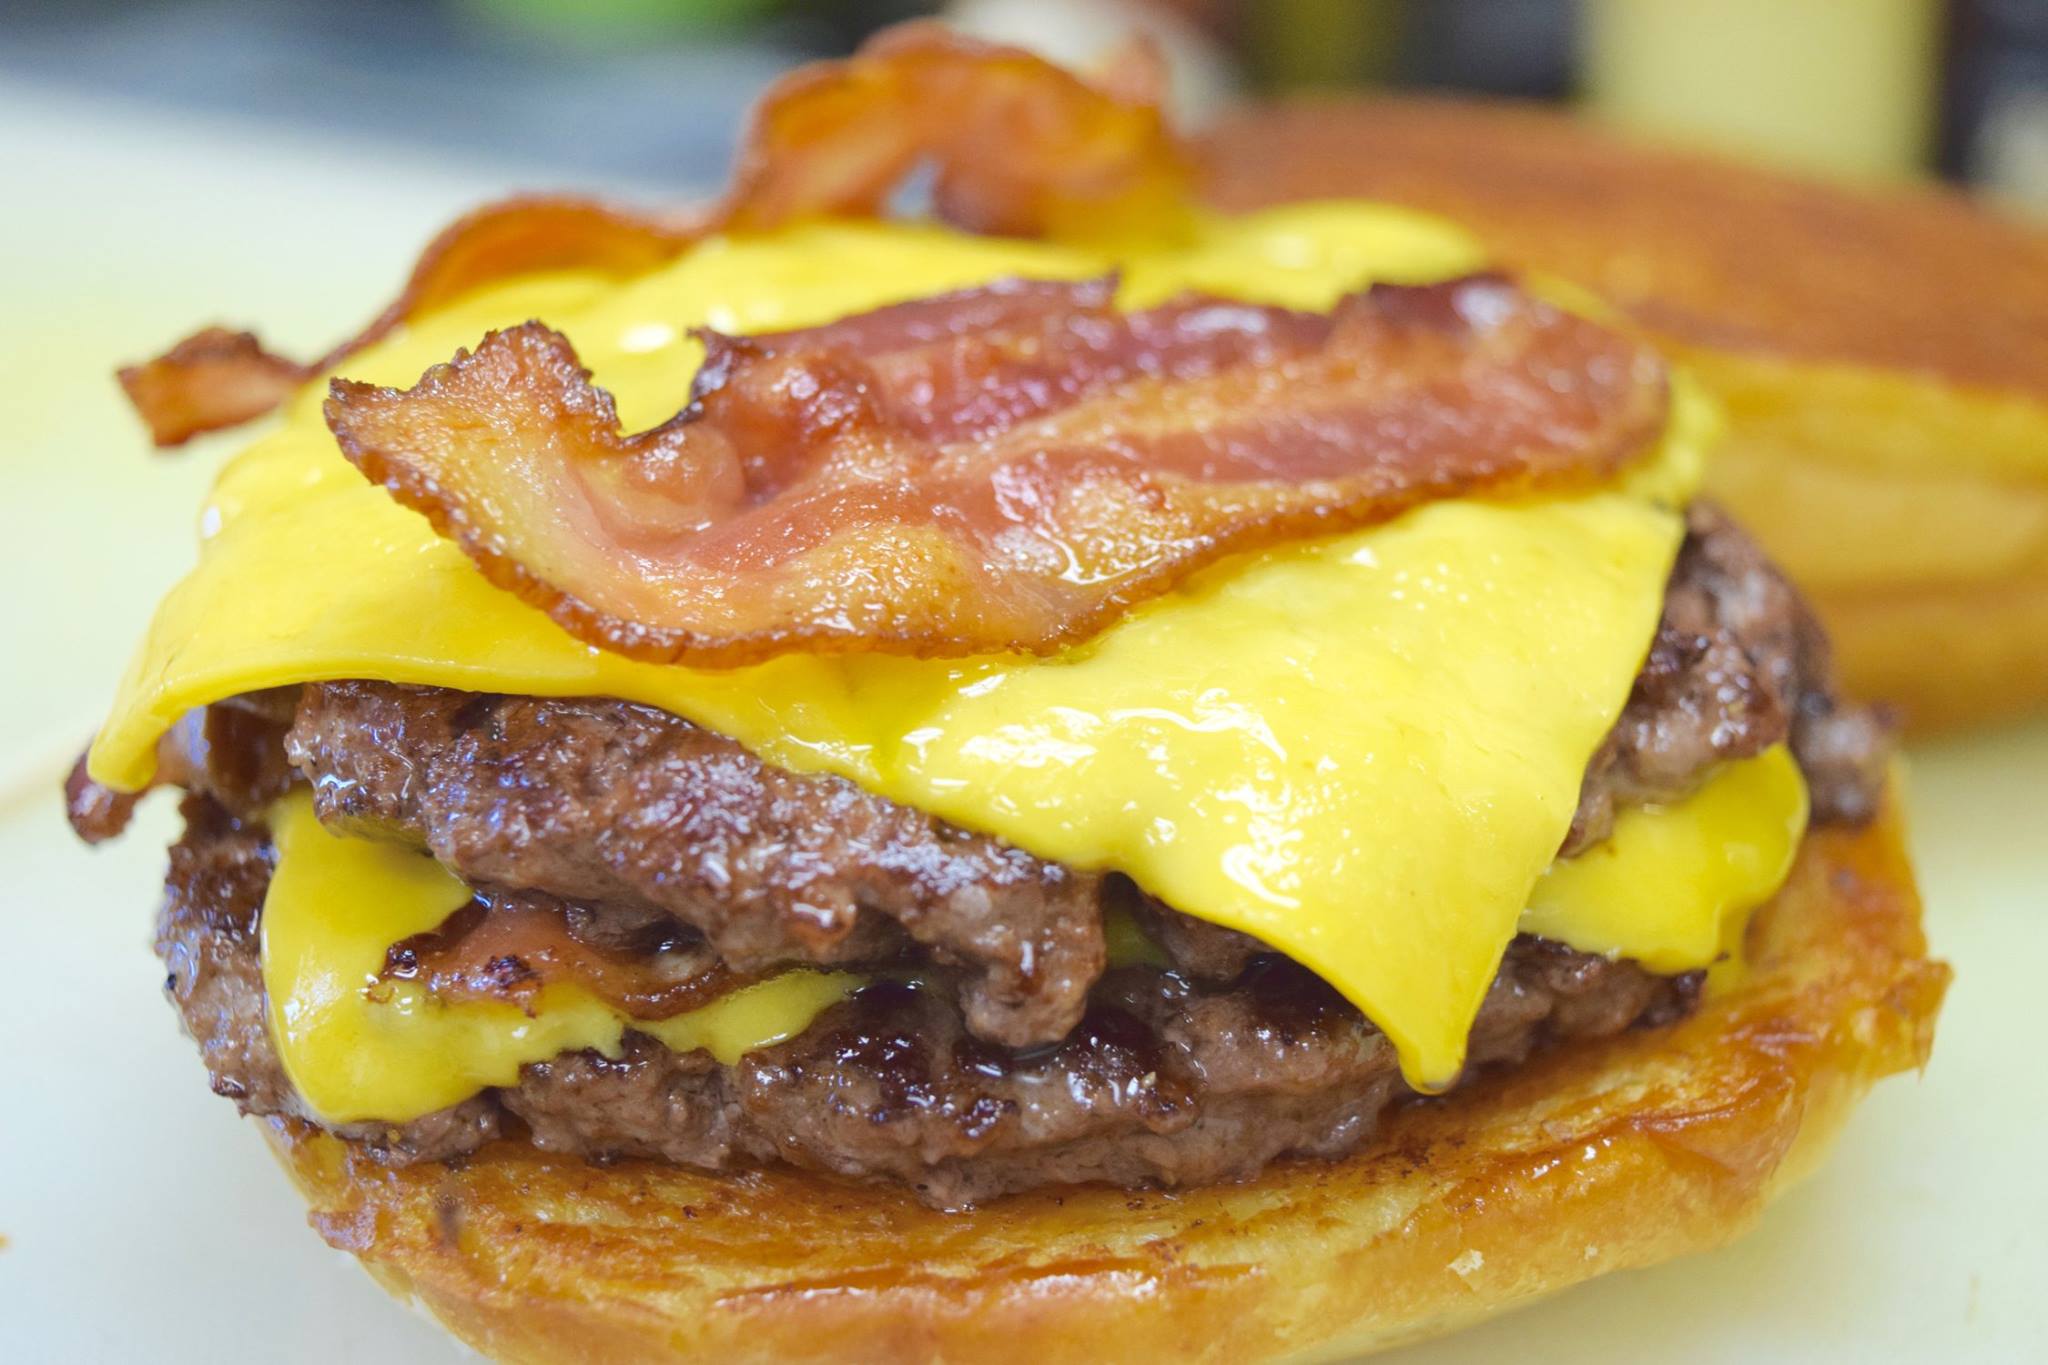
x,y
1364,750
1671,886
356,1048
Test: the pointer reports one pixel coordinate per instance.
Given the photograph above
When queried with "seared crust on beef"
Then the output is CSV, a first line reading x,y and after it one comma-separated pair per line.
x,y
609,803
207,938
1165,1079
1842,749
232,751
1739,663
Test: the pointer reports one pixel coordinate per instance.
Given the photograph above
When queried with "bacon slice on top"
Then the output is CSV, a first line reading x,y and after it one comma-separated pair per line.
x,y
1006,468
1017,145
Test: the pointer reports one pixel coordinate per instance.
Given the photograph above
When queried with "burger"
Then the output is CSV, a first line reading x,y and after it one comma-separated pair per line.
x,y
1064,776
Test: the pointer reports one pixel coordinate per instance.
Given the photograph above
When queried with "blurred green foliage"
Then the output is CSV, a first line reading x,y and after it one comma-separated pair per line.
x,y
607,22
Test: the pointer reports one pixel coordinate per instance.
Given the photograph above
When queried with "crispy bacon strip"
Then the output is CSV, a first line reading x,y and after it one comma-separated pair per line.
x,y
1018,146
212,379
216,378
513,948
1002,469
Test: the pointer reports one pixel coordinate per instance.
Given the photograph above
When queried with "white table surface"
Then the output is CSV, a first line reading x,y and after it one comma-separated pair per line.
x,y
143,1221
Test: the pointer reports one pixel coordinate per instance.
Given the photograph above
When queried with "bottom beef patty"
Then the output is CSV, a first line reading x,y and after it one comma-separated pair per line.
x,y
1166,1079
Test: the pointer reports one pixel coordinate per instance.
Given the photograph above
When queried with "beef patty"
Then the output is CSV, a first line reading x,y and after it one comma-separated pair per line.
x,y
1164,1080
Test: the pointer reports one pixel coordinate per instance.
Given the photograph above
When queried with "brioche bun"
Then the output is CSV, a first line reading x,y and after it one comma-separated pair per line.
x,y
1591,1159
1882,356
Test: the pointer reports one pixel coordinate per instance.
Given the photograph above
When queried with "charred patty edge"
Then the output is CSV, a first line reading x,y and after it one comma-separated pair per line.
x,y
1166,1079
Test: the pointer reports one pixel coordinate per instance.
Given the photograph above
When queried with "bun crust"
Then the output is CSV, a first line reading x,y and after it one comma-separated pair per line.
x,y
1584,1161
1882,355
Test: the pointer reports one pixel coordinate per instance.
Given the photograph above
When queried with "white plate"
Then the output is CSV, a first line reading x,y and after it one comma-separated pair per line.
x,y
143,1221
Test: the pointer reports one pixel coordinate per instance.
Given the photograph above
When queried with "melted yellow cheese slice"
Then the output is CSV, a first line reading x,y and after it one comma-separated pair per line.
x,y
1670,886
358,1048
1364,750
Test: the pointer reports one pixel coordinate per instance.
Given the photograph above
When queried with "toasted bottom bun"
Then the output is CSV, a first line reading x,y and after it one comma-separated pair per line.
x,y
1588,1160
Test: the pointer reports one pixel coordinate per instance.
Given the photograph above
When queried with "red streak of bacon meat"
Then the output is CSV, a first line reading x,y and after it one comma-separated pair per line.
x,y
1002,469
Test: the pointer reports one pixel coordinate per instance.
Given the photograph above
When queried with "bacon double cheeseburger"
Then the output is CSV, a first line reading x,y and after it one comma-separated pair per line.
x,y
1081,779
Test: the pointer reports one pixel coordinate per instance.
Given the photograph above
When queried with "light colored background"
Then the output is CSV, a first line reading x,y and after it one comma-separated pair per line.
x,y
143,1221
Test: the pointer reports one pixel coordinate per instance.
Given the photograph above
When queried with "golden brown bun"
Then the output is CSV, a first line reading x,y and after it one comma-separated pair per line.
x,y
1883,356
1589,1160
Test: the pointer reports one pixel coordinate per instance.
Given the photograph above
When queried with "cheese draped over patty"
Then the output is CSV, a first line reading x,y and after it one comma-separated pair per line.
x,y
358,1045
1364,750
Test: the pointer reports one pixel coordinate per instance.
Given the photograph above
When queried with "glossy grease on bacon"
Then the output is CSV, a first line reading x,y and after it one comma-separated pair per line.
x,y
814,494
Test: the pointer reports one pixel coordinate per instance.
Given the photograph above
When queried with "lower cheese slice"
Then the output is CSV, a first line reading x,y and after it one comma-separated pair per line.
x,y
1671,886
358,1048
